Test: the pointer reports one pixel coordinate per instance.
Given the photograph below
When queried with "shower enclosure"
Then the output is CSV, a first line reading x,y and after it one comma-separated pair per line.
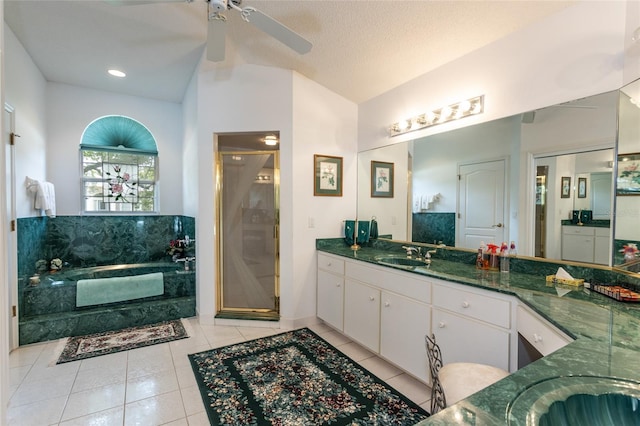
x,y
247,243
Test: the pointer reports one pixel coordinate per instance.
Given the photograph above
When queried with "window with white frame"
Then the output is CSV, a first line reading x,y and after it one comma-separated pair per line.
x,y
118,182
119,166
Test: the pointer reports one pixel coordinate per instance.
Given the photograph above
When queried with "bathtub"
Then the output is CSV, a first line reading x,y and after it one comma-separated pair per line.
x,y
48,310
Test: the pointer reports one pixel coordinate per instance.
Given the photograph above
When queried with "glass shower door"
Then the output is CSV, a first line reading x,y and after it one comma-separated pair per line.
x,y
248,238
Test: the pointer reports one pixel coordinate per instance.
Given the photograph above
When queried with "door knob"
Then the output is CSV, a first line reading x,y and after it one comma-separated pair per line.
x,y
497,226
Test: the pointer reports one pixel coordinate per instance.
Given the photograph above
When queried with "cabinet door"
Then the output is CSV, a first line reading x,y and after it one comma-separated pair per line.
x,y
601,252
403,325
362,316
578,243
465,340
330,306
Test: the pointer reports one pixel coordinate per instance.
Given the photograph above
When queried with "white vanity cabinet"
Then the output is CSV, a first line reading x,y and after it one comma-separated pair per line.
x,y
330,290
585,244
389,312
473,325
544,337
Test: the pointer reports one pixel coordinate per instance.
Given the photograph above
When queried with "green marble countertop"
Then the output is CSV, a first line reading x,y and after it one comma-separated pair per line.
x,y
596,223
607,332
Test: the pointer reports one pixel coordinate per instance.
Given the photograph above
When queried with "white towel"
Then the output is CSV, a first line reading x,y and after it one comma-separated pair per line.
x,y
46,198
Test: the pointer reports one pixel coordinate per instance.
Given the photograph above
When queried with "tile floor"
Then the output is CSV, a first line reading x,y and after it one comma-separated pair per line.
x,y
148,386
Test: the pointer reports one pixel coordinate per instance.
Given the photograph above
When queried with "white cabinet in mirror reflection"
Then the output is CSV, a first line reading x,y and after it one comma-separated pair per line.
x,y
586,244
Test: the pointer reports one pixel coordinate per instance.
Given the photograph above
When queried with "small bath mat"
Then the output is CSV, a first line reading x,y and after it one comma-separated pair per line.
x,y
82,347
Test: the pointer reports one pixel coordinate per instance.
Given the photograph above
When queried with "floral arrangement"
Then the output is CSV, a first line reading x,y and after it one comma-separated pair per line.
x,y
181,248
630,251
120,185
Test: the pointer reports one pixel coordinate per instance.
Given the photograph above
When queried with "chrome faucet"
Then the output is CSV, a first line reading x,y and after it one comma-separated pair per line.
x,y
410,250
186,261
428,254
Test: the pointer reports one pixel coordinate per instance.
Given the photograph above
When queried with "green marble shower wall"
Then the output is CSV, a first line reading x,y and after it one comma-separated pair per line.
x,y
83,241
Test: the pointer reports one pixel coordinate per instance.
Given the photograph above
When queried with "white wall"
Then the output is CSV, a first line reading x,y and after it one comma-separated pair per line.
x,y
25,89
70,109
323,123
244,99
190,149
574,53
310,120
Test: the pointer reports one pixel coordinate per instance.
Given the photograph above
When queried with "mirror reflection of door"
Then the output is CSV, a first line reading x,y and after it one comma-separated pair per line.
x,y
481,202
248,233
542,173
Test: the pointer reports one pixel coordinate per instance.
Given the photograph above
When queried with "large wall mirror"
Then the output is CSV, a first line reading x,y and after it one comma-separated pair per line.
x,y
545,179
627,200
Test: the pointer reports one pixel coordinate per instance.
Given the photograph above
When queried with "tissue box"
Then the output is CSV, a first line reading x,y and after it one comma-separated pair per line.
x,y
555,280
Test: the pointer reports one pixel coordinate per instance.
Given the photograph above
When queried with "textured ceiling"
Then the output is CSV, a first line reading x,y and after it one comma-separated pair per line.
x,y
360,48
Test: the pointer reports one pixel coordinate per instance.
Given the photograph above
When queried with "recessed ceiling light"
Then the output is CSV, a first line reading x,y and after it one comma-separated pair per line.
x,y
117,73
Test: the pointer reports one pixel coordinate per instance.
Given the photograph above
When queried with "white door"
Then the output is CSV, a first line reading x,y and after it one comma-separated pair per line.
x,y
481,204
12,244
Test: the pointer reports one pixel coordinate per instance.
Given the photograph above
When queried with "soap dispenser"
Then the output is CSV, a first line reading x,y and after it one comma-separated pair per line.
x,y
494,260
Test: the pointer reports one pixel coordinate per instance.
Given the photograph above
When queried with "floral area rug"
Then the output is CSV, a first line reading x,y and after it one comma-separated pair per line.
x,y
109,342
295,378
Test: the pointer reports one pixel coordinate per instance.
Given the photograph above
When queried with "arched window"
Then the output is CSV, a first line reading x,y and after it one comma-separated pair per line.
x,y
119,166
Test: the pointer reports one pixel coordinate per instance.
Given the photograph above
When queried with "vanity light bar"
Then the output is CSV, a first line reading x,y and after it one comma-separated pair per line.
x,y
445,114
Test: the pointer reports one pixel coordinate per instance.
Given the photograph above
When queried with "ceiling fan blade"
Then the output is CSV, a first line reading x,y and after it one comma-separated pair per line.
x,y
216,33
277,30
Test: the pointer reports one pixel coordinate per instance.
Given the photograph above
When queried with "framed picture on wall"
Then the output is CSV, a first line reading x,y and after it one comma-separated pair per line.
x,y
381,179
582,187
628,180
565,188
327,178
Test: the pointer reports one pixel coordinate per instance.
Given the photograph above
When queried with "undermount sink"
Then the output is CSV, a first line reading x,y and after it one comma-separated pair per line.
x,y
577,400
402,261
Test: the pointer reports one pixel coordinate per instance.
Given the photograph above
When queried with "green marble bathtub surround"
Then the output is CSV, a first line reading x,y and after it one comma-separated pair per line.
x,y
48,310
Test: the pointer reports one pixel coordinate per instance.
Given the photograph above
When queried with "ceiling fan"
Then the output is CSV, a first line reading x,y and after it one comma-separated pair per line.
x,y
217,23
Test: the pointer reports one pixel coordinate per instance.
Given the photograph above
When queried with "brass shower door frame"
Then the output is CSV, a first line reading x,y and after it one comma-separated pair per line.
x,y
235,312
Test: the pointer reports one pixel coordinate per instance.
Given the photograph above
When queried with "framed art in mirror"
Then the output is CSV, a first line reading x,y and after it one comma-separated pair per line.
x,y
327,179
565,188
582,187
381,179
628,181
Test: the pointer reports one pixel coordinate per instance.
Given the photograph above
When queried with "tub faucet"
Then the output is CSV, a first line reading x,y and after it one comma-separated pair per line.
x,y
186,261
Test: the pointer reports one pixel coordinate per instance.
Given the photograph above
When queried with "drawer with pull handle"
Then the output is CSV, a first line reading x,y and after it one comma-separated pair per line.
x,y
492,310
